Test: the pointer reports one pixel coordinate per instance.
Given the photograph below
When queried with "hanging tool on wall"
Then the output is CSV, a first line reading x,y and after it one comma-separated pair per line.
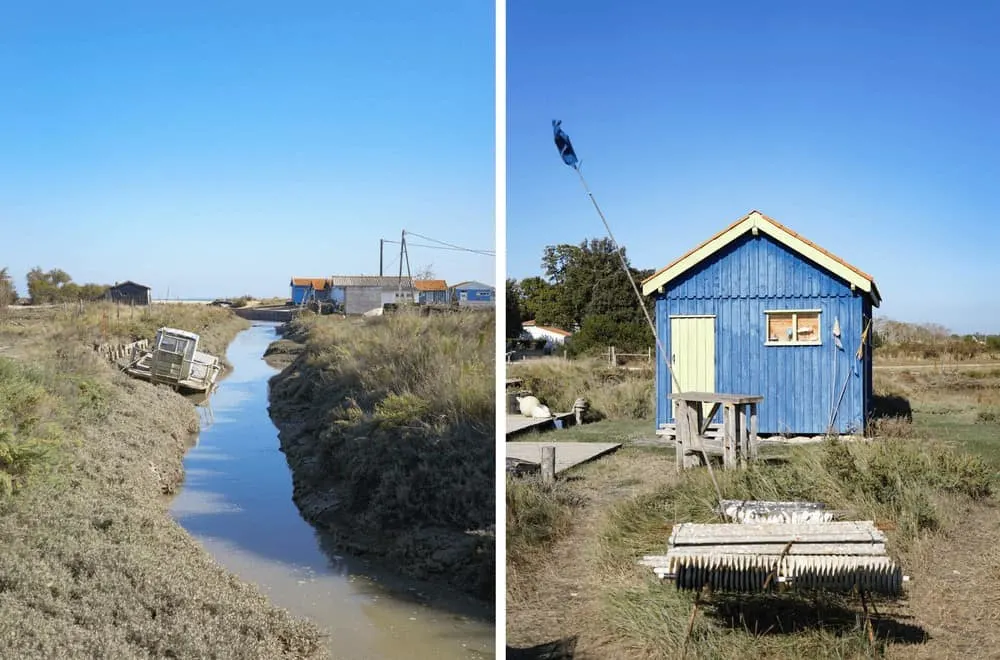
x,y
859,354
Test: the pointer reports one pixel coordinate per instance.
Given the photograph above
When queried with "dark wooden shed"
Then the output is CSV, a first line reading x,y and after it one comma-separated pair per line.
x,y
129,293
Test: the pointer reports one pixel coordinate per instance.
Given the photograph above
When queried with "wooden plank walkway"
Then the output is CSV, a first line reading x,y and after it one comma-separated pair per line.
x,y
568,454
521,424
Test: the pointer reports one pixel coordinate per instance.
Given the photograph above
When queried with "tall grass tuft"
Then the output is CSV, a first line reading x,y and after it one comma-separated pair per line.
x,y
396,418
908,487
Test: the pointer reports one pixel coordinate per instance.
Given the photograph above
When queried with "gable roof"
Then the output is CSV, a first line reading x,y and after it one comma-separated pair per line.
x,y
472,284
430,285
318,283
371,281
755,221
547,328
128,282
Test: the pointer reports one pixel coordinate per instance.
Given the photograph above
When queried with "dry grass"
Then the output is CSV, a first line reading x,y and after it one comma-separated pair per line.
x,y
612,393
93,565
935,495
388,424
37,329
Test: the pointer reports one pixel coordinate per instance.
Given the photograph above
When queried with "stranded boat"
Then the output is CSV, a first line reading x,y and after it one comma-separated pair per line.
x,y
176,361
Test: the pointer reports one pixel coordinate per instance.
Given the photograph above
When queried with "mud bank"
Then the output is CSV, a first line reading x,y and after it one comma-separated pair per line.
x,y
390,440
93,565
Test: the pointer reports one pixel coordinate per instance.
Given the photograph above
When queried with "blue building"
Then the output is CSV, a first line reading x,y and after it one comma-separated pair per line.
x,y
431,292
305,289
473,294
758,309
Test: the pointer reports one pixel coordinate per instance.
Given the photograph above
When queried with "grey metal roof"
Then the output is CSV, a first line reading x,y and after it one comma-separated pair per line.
x,y
370,280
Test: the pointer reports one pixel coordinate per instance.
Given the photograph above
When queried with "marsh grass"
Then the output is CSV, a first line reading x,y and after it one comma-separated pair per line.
x,y
612,393
909,487
392,418
92,563
932,463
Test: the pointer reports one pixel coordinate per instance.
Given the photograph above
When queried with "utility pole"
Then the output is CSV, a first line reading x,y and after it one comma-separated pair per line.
x,y
404,256
381,243
402,251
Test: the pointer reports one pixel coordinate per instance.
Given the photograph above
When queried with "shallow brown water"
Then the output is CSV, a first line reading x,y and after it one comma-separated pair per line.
x,y
237,501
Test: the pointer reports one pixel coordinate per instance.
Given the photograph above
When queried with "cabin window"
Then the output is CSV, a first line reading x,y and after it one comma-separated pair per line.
x,y
793,328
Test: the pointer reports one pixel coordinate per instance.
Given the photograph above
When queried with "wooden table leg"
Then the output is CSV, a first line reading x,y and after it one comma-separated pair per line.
x,y
744,442
753,432
728,435
680,432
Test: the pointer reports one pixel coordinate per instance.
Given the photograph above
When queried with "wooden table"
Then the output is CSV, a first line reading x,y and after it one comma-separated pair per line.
x,y
739,427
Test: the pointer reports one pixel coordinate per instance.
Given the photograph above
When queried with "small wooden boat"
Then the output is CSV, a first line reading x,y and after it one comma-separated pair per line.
x,y
176,361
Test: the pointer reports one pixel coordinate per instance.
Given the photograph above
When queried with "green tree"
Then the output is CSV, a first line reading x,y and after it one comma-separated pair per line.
x,y
57,286
8,294
585,287
513,309
600,331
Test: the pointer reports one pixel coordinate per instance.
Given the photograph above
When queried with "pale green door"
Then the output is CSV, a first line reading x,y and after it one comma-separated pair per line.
x,y
692,354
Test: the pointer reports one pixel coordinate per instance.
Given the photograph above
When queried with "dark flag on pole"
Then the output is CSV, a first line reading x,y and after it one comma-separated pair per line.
x,y
563,144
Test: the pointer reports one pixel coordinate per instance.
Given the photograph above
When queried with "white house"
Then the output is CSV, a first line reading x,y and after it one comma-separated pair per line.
x,y
548,333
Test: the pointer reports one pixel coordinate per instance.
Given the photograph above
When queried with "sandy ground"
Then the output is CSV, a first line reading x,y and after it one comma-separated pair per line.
x,y
559,599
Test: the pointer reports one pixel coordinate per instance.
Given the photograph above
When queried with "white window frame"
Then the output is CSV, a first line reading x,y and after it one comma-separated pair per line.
x,y
795,327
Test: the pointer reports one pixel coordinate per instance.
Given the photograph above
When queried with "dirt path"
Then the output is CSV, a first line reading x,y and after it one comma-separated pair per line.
x,y
560,598
956,598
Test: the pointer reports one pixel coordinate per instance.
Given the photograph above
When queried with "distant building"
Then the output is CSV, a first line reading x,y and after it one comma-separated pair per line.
x,y
550,334
358,294
473,294
129,293
305,289
431,292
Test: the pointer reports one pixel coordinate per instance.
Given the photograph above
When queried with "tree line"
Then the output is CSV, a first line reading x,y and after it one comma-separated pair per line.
x,y
53,286
585,290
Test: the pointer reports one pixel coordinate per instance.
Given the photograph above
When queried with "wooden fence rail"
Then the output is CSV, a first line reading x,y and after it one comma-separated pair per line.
x,y
116,352
615,358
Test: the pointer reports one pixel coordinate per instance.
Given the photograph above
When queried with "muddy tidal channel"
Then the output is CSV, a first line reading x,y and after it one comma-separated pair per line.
x,y
237,502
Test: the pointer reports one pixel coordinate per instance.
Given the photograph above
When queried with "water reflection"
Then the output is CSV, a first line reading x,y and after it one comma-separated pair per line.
x,y
236,501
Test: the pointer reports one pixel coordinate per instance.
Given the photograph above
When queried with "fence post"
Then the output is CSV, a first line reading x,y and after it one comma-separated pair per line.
x,y
548,464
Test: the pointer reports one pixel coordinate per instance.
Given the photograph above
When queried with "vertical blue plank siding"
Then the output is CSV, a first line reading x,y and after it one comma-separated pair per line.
x,y
800,384
298,294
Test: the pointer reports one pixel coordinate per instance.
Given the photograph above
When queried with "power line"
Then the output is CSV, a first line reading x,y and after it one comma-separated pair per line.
x,y
451,245
439,247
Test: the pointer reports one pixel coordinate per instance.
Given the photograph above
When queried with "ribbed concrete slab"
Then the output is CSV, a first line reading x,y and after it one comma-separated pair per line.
x,y
568,454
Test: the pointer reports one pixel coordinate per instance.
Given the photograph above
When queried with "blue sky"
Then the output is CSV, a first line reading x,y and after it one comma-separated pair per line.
x,y
220,148
870,128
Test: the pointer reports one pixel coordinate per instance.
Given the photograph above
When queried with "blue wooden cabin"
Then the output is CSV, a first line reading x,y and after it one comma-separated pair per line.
x,y
473,294
753,310
305,289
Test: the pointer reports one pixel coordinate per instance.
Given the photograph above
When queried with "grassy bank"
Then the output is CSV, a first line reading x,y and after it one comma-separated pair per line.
x,y
930,484
29,331
612,393
93,565
388,425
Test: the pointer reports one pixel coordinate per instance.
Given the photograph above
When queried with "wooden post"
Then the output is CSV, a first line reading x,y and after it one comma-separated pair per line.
x,y
728,435
753,432
744,442
548,464
680,432
696,442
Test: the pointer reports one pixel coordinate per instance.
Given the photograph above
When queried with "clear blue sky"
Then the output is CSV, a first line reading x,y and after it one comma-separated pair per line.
x,y
872,128
219,148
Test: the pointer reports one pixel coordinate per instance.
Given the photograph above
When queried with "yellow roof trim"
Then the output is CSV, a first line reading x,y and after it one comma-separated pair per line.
x,y
760,222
